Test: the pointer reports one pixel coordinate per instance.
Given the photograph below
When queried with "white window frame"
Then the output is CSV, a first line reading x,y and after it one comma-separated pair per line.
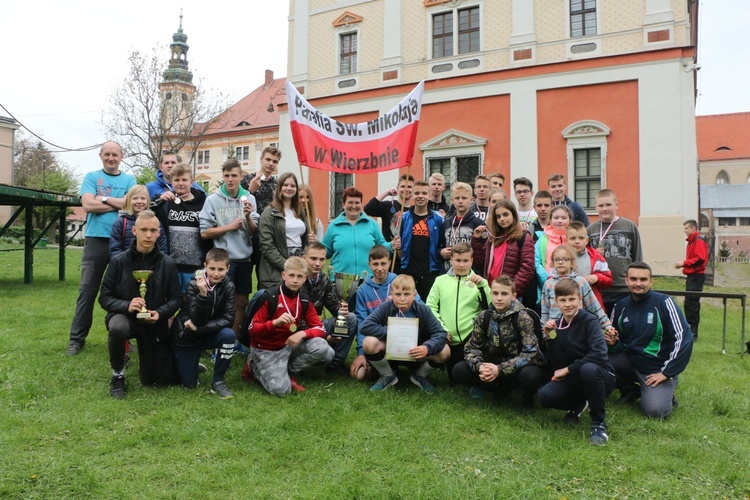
x,y
583,37
586,134
456,55
339,36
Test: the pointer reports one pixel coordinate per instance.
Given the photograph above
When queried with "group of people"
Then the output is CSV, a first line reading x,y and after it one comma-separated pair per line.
x,y
507,295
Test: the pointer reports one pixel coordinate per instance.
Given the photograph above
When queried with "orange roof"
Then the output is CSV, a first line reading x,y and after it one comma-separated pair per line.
x,y
251,112
723,137
76,214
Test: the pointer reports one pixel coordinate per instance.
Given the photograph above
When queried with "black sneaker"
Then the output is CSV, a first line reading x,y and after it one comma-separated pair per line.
x,y
73,349
599,435
574,416
675,403
117,386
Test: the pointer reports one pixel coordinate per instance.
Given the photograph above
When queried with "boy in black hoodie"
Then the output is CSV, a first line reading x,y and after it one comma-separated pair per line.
x,y
577,351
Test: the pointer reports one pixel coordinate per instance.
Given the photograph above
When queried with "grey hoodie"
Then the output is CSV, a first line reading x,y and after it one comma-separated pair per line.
x,y
219,210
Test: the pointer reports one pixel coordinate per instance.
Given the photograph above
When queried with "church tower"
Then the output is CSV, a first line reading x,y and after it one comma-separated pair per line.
x,y
177,89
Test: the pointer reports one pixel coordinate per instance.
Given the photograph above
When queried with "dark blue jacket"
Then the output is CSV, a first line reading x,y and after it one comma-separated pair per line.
x,y
579,213
437,239
160,186
432,335
654,334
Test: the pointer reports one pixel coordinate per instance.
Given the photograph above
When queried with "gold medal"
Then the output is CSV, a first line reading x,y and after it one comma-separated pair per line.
x,y
177,201
552,335
470,284
293,327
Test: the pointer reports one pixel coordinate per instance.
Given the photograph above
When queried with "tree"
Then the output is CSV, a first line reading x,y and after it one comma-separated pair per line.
x,y
146,123
36,167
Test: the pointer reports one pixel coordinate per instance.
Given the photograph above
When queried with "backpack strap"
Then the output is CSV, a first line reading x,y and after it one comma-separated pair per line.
x,y
483,299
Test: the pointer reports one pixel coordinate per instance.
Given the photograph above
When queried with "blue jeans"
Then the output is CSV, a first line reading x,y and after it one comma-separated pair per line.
x,y
187,357
341,347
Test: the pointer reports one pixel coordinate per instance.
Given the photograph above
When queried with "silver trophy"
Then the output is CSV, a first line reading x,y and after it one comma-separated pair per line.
x,y
345,285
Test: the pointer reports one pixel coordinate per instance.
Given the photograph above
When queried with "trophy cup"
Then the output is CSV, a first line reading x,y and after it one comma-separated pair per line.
x,y
142,277
345,285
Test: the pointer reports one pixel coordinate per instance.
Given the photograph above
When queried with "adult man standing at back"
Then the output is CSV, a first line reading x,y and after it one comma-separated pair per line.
x,y
102,195
557,189
161,188
652,345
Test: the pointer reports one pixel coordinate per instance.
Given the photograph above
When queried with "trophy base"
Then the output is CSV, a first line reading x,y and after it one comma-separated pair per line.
x,y
340,331
143,315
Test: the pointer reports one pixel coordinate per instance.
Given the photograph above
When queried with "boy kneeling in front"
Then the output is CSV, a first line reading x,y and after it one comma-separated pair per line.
x,y
431,349
502,350
577,351
205,322
290,339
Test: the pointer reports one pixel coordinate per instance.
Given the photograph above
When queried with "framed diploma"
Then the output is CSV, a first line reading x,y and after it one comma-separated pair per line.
x,y
403,334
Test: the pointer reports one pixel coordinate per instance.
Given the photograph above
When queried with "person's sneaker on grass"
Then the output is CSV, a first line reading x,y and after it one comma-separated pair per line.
x,y
296,386
220,387
599,435
574,416
247,372
385,382
73,349
117,386
423,383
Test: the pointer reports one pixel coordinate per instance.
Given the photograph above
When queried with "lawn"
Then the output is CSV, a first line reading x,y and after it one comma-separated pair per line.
x,y
61,435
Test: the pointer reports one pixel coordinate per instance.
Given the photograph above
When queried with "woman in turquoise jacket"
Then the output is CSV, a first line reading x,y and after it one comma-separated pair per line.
x,y
352,234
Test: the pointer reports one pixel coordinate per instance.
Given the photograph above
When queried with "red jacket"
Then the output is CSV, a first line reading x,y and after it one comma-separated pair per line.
x,y
600,269
263,335
517,265
696,255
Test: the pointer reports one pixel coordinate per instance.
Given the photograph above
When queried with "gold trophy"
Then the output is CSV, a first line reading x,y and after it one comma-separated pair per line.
x,y
345,285
142,277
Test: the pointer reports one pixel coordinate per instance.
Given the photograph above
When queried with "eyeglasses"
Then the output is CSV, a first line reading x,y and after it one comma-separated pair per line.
x,y
523,191
560,260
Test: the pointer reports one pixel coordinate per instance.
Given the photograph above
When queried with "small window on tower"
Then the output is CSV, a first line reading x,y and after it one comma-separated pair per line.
x,y
184,96
168,96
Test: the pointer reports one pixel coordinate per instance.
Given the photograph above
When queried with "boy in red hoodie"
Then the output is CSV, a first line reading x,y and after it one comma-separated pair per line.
x,y
290,339
694,268
590,264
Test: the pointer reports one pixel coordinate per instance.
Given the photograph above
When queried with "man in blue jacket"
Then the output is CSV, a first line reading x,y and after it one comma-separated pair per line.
x,y
422,238
652,345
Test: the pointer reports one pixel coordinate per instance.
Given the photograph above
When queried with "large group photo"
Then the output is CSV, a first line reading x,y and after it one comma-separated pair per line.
x,y
389,289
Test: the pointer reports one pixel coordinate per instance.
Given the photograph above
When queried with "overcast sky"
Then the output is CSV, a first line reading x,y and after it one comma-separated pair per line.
x,y
62,60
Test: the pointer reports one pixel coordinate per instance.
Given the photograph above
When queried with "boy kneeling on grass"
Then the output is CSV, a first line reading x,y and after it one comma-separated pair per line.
x,y
288,340
502,350
577,351
431,349
205,322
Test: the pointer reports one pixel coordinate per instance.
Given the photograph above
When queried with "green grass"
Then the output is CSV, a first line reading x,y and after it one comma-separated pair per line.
x,y
61,435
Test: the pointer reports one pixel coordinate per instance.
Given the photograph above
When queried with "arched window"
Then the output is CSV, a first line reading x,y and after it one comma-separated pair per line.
x,y
704,222
722,178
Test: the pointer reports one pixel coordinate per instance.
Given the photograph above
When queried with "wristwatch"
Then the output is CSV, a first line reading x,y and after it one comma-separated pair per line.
x,y
104,199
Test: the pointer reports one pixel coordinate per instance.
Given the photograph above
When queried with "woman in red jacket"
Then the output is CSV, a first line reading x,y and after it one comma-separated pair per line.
x,y
503,247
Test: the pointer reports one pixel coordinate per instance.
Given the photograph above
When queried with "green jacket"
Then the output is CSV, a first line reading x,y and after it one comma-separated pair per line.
x,y
456,304
273,249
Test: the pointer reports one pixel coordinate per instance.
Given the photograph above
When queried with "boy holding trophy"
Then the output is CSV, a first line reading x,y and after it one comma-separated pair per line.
x,y
341,328
138,311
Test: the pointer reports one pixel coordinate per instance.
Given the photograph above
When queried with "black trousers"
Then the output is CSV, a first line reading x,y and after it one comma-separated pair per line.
x,y
593,384
529,378
156,361
693,304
